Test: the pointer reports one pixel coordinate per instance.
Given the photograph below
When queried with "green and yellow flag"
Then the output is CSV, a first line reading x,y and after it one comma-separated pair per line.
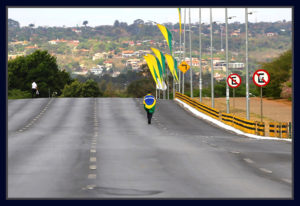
x,y
161,59
179,11
172,63
167,34
157,68
151,68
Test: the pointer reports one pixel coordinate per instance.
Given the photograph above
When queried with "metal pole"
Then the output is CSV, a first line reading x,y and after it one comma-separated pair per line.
x,y
191,62
261,106
211,62
200,58
227,62
183,49
233,101
221,28
247,72
173,56
180,56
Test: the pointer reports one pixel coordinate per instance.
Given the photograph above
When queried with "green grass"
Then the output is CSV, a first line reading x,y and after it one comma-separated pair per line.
x,y
18,94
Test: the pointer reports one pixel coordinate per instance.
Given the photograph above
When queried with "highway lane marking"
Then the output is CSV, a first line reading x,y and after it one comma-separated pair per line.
x,y
287,180
92,176
265,170
93,167
93,159
235,152
93,151
248,160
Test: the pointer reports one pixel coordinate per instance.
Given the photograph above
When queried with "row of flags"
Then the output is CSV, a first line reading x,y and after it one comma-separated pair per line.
x,y
156,64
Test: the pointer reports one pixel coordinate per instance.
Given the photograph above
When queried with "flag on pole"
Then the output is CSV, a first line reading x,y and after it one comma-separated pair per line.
x,y
167,34
172,63
151,68
155,64
161,59
179,11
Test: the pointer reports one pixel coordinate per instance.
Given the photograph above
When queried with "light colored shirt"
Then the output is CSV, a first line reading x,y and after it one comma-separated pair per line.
x,y
34,85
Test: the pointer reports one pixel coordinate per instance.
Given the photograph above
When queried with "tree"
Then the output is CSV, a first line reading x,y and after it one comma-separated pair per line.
x,y
280,70
117,23
40,67
85,23
78,89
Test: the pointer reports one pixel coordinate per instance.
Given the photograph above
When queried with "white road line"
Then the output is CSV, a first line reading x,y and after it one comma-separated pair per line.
x,y
93,167
248,160
235,152
93,151
93,159
92,176
90,187
265,170
287,180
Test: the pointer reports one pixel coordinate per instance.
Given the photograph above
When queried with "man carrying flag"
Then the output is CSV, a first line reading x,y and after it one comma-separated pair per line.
x,y
149,105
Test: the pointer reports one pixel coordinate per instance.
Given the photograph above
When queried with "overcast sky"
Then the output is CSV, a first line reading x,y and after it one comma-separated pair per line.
x,y
107,16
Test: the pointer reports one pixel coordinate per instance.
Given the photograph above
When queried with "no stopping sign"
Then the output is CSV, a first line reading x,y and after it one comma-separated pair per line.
x,y
261,77
234,80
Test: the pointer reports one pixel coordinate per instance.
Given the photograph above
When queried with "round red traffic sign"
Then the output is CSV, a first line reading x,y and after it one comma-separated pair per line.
x,y
234,80
261,77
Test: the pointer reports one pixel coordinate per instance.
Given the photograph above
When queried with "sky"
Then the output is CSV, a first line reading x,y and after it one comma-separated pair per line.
x,y
71,17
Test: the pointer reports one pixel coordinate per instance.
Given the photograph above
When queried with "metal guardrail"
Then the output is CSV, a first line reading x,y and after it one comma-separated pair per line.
x,y
279,129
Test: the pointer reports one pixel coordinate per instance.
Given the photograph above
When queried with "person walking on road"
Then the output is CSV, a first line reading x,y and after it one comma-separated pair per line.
x,y
149,105
34,89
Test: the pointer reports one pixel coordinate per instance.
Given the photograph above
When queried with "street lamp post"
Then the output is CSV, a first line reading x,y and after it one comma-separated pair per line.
x,y
211,62
191,62
200,57
247,70
183,48
227,61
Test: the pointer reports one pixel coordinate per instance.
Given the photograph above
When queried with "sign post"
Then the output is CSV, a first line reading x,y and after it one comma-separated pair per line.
x,y
261,78
234,81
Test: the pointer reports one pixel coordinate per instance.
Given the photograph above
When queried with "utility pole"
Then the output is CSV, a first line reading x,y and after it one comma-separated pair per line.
x,y
247,71
227,63
191,62
183,49
200,57
180,57
211,62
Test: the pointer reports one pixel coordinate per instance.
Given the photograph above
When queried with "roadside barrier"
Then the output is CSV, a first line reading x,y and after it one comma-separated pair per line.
x,y
244,125
284,130
272,131
280,129
200,107
227,119
260,128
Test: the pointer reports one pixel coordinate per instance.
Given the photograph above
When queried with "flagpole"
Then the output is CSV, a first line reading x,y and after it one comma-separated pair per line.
x,y
183,49
200,53
191,61
179,73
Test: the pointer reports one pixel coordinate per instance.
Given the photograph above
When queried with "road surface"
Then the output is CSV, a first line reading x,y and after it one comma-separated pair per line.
x,y
104,148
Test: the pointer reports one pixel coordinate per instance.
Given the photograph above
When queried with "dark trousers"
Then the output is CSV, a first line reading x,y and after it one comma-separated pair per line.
x,y
149,116
33,92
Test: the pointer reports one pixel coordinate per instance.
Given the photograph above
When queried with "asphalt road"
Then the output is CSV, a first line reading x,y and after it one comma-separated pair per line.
x,y
104,148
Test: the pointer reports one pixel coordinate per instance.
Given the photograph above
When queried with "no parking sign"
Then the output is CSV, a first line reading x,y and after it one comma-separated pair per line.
x,y
261,77
234,80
